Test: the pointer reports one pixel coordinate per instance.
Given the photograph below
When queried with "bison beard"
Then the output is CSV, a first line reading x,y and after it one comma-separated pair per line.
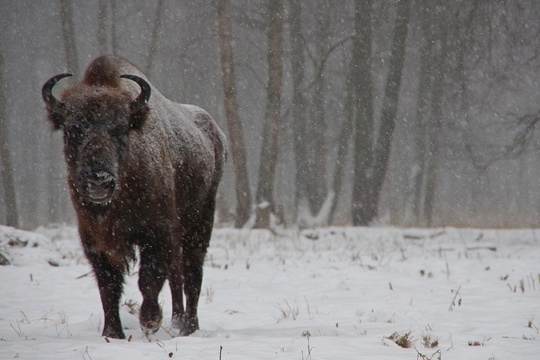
x,y
143,173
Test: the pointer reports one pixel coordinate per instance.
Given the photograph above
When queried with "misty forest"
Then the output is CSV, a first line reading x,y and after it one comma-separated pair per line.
x,y
354,112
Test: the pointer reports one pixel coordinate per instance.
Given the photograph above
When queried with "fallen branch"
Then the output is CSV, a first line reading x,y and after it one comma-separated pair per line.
x,y
83,275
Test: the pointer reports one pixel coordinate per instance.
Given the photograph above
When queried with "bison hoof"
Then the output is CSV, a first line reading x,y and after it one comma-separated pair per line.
x,y
150,317
113,333
150,327
186,325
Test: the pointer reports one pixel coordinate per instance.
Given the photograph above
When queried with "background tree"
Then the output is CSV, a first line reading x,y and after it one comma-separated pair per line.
x,y
433,127
153,48
57,199
102,27
299,103
316,130
6,168
114,20
362,213
428,22
373,152
265,204
230,98
343,143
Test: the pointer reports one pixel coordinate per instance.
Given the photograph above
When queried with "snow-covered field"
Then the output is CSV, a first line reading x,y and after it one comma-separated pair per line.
x,y
336,293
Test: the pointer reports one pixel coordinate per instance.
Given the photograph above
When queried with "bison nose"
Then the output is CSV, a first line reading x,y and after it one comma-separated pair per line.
x,y
100,187
102,179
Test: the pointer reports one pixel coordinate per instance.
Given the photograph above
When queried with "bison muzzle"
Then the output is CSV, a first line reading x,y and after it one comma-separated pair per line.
x,y
143,173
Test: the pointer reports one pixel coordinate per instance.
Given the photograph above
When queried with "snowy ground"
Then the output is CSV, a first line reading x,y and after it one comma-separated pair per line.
x,y
337,293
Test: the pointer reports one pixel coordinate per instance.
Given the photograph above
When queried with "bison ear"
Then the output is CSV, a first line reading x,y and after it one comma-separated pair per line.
x,y
139,107
138,117
56,120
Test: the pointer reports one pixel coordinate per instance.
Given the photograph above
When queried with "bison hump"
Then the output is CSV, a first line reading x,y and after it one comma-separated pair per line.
x,y
103,71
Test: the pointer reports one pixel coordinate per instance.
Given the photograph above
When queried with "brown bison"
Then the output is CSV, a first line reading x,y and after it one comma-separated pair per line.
x,y
143,172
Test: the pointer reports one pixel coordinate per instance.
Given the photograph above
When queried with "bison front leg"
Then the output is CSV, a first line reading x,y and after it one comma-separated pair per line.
x,y
110,283
152,276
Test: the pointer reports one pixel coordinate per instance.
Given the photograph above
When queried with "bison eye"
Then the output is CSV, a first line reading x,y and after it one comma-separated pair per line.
x,y
120,132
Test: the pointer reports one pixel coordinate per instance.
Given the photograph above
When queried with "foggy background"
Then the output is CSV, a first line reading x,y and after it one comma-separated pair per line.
x,y
462,148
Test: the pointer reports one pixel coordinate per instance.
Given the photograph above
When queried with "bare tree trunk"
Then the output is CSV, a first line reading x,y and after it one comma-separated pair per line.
x,y
6,164
68,33
369,176
383,145
465,34
364,121
434,127
316,129
153,48
114,35
343,145
298,101
58,198
272,124
102,27
425,84
236,135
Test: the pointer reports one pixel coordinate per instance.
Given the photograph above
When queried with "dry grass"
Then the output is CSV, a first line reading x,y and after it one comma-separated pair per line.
x,y
288,312
430,342
132,305
529,282
402,339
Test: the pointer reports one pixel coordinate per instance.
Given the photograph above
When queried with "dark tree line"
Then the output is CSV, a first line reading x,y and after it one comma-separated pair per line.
x,y
406,112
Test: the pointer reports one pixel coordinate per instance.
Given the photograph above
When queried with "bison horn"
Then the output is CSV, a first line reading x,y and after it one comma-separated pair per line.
x,y
144,96
46,92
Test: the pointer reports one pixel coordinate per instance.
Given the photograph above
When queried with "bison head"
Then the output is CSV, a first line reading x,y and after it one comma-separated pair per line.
x,y
96,122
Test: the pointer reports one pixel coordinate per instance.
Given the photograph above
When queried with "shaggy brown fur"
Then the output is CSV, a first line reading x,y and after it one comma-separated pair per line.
x,y
142,174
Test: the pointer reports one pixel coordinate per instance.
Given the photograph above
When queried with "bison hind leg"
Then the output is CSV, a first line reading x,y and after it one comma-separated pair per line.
x,y
176,284
186,269
185,323
194,252
187,280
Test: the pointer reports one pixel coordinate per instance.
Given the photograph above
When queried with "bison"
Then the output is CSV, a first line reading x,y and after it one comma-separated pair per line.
x,y
143,173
